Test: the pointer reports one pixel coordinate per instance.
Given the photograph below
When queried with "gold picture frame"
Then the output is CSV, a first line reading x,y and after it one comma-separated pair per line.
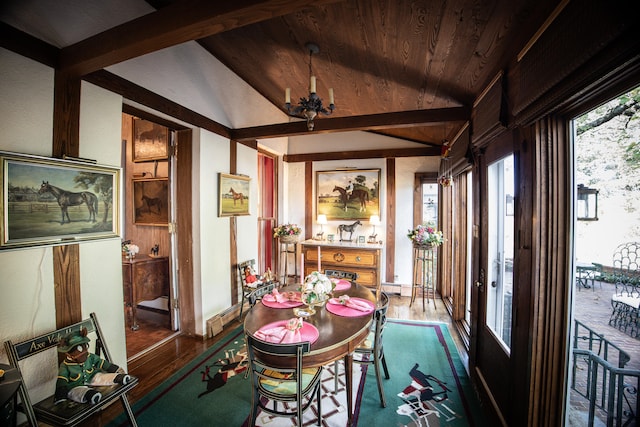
x,y
47,201
151,201
234,195
150,141
352,194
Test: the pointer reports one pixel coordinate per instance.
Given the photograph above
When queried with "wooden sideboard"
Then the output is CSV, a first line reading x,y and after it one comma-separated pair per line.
x,y
363,259
144,278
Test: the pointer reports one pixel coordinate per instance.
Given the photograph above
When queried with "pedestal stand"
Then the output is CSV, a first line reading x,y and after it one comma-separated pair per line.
x,y
423,274
287,248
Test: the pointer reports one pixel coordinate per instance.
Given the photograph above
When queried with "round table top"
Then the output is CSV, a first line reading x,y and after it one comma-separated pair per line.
x,y
338,335
9,383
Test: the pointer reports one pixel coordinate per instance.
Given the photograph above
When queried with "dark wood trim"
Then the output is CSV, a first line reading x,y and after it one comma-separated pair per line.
x,y
26,45
233,231
364,154
308,202
177,23
390,235
66,116
366,122
133,92
66,281
184,230
66,140
141,114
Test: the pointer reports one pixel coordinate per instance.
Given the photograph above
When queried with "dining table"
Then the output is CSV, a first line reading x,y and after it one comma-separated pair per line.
x,y
337,335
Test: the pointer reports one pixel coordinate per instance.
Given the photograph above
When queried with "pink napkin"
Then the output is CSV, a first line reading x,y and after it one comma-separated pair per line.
x,y
288,333
351,303
276,296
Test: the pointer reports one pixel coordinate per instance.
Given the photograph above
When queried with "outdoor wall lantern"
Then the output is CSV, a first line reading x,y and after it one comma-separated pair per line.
x,y
587,207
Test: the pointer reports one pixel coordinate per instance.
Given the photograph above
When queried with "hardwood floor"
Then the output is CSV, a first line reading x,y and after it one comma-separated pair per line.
x,y
155,366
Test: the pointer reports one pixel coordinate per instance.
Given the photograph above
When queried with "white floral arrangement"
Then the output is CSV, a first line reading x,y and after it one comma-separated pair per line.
x,y
317,287
130,249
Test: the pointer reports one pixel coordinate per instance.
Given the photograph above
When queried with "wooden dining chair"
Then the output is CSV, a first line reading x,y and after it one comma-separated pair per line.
x,y
278,385
371,351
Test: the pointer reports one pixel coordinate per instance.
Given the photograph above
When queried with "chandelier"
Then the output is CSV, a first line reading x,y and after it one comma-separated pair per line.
x,y
309,108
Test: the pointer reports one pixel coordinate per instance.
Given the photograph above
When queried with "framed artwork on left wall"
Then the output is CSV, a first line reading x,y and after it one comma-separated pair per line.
x,y
47,201
233,195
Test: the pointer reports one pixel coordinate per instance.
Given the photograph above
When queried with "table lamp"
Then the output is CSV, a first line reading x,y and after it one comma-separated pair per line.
x,y
374,220
322,220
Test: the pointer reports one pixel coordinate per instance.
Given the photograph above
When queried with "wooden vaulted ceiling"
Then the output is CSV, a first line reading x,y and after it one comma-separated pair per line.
x,y
408,69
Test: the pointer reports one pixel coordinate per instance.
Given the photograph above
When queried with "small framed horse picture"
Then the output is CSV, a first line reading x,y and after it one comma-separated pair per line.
x,y
233,194
351,194
150,141
151,201
48,201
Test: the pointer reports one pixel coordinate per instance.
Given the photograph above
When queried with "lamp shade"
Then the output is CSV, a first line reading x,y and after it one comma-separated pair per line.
x,y
374,220
322,219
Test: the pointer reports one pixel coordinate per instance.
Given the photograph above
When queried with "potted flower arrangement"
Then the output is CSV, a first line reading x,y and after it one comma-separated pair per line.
x,y
315,291
287,233
425,235
129,249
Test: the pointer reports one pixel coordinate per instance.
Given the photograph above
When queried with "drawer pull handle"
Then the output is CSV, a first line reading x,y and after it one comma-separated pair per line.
x,y
338,257
358,259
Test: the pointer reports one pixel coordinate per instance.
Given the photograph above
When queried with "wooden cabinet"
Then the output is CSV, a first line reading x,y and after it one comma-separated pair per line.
x,y
144,279
363,259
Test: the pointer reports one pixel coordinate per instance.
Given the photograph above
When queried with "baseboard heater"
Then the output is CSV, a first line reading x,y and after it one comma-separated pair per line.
x,y
215,325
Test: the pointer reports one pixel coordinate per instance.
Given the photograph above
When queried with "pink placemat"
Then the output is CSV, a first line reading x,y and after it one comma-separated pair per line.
x,y
308,332
343,310
342,284
286,304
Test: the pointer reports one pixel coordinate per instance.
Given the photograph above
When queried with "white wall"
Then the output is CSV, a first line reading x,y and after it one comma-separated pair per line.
x,y
27,305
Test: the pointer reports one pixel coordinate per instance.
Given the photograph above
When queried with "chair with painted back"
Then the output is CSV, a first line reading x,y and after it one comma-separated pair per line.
x,y
293,385
249,288
339,274
371,351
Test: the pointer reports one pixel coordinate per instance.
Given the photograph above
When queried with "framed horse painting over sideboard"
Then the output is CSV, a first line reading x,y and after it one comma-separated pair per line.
x,y
234,194
350,194
48,201
151,201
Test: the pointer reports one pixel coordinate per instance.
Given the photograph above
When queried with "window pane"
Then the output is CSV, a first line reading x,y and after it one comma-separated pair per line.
x,y
500,192
430,204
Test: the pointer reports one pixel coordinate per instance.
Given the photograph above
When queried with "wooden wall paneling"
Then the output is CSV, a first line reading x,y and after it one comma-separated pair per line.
x,y
66,140
184,230
390,237
144,236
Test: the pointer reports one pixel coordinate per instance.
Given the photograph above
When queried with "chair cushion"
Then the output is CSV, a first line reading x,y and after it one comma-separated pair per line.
x,y
274,383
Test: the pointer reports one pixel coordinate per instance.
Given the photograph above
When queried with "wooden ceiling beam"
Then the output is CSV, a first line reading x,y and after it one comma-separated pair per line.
x,y
363,154
367,122
176,23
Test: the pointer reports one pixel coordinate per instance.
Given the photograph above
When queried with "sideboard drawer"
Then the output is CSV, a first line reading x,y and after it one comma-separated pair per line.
x,y
348,257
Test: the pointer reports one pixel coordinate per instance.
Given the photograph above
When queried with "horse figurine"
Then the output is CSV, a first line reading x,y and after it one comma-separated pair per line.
x,y
68,198
361,196
348,228
236,196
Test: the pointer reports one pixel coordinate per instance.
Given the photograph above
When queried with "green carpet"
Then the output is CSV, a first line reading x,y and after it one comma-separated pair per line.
x,y
428,387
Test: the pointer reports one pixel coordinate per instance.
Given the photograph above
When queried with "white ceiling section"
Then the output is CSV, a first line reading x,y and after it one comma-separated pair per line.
x,y
185,74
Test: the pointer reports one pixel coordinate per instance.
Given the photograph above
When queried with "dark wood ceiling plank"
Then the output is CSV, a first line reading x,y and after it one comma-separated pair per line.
x,y
368,122
174,24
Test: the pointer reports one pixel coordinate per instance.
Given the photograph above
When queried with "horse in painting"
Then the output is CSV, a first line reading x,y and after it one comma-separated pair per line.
x,y
67,198
236,196
152,202
361,196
